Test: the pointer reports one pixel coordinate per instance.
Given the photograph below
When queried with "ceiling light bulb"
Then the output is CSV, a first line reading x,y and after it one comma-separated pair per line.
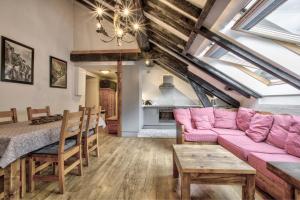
x,y
98,25
120,32
147,62
136,26
100,11
105,71
126,12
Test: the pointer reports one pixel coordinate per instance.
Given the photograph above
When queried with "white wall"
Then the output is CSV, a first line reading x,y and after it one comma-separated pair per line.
x,y
182,94
131,100
85,36
47,26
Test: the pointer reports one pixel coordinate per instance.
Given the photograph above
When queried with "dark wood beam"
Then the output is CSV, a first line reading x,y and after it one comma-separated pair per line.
x,y
176,64
165,19
187,7
142,38
171,70
208,5
201,94
169,13
283,74
210,70
171,36
105,55
161,40
213,90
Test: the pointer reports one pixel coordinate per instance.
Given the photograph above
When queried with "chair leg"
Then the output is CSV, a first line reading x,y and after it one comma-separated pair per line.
x,y
79,155
54,168
31,174
86,151
61,176
97,149
23,177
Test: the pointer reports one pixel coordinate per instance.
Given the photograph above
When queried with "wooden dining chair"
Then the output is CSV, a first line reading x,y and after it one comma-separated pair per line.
x,y
61,153
35,113
90,136
2,183
9,116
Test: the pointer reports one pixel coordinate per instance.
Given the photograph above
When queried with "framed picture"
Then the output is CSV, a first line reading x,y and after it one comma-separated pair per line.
x,y
58,73
17,62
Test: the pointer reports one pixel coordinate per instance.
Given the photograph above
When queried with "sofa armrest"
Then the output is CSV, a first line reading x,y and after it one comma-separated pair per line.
x,y
179,133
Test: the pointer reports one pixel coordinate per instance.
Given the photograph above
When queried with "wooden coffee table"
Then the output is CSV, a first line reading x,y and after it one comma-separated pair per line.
x,y
290,172
211,164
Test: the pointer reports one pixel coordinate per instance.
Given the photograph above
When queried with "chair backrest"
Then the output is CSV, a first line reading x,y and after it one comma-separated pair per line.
x,y
9,116
37,112
72,125
93,117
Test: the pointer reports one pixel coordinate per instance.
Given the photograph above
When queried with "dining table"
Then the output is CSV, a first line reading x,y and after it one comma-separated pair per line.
x,y
16,141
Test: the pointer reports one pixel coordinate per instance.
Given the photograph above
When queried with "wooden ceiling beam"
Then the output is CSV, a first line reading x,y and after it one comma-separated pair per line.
x,y
208,5
281,73
171,22
213,90
201,94
105,55
160,40
169,13
171,70
142,38
186,6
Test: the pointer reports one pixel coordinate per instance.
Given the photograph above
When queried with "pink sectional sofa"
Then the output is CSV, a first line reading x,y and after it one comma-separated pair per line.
x,y
254,137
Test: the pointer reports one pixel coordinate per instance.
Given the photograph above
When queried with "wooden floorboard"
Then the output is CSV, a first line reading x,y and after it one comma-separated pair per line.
x,y
131,168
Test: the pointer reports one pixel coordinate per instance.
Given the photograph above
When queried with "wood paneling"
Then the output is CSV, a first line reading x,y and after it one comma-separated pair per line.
x,y
108,101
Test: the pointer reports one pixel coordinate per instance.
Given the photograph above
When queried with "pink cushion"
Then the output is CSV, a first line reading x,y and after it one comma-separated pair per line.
x,y
280,130
225,118
295,125
183,116
202,122
292,145
200,136
259,162
196,112
242,146
259,127
223,131
243,118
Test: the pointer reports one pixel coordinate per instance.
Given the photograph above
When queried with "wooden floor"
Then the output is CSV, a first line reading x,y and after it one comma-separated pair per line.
x,y
131,168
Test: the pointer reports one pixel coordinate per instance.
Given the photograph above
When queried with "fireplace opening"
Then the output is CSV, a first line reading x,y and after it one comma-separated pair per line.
x,y
166,115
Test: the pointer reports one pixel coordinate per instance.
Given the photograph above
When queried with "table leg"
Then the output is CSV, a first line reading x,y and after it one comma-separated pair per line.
x,y
12,180
185,186
297,194
175,170
248,191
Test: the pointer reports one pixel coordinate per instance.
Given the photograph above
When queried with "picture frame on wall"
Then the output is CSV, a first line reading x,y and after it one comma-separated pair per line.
x,y
17,62
58,73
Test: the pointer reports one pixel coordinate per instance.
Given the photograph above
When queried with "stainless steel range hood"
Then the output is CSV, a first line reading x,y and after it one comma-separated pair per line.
x,y
168,82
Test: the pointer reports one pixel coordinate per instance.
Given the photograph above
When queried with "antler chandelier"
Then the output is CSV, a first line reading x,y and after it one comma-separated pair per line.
x,y
124,22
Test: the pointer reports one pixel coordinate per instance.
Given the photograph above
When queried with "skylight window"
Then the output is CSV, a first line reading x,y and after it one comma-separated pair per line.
x,y
274,19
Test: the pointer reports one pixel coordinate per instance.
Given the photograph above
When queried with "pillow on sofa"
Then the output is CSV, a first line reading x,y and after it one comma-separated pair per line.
x,y
202,122
243,118
292,144
196,112
260,126
280,130
183,116
225,118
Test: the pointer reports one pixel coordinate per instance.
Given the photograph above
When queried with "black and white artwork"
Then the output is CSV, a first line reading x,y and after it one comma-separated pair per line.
x,y
17,62
58,73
